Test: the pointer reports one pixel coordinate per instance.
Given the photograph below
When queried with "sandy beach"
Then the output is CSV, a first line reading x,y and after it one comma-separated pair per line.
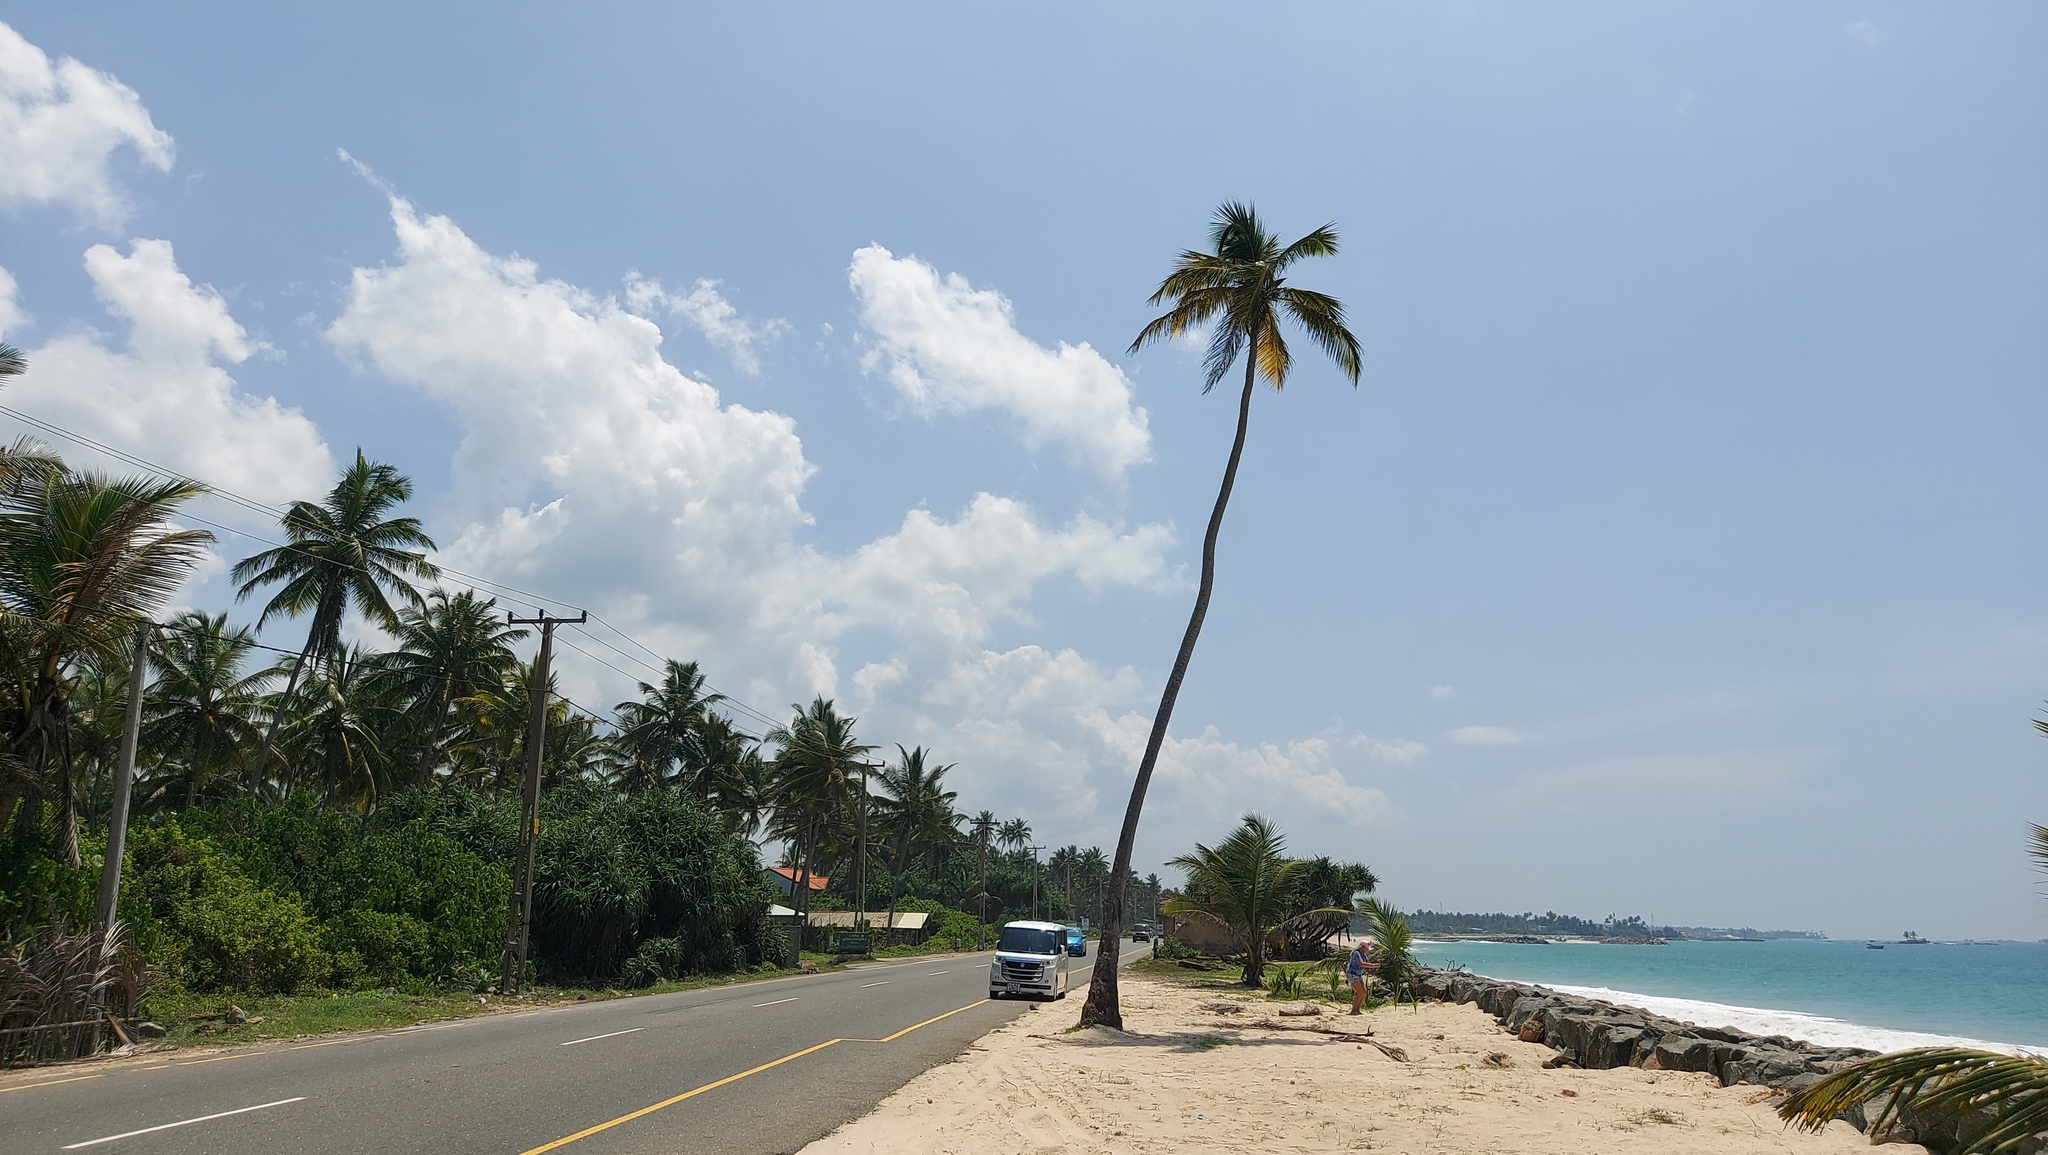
x,y
1191,1077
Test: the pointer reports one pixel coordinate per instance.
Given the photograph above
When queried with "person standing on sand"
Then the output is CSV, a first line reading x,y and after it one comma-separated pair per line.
x,y
1357,968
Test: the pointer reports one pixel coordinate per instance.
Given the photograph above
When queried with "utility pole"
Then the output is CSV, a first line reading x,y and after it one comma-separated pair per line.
x,y
124,777
1034,878
981,927
860,855
519,924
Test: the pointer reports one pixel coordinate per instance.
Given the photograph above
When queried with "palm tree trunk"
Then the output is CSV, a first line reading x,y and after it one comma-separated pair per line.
x,y
1103,1008
277,718
425,773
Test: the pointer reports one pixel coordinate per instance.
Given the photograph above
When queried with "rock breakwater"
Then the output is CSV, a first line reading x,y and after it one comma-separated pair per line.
x,y
1598,1035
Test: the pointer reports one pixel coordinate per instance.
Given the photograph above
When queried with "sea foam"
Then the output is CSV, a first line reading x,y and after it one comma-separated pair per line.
x,y
1817,1029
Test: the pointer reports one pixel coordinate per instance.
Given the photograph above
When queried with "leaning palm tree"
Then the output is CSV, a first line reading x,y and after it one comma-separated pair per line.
x,y
450,647
200,714
343,553
1941,1081
83,558
1241,291
1245,884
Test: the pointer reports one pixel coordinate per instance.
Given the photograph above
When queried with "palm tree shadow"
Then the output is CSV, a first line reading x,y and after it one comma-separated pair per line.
x,y
1179,1041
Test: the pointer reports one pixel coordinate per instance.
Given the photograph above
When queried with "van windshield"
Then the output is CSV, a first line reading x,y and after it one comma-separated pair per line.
x,y
1026,940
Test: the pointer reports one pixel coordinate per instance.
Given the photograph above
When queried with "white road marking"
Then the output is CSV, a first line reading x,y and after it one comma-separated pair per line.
x,y
181,1123
791,999
594,1038
939,973
883,983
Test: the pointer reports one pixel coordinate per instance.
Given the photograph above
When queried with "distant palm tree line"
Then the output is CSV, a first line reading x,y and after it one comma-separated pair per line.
x,y
84,557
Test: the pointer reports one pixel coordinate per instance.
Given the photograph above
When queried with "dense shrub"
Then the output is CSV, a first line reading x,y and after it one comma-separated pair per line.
x,y
241,896
239,936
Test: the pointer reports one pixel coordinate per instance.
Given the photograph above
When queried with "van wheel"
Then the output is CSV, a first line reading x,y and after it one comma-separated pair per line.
x,y
995,994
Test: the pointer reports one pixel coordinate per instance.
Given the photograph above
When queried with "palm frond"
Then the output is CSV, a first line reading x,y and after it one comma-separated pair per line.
x,y
2039,849
1321,316
1939,1079
13,363
1320,243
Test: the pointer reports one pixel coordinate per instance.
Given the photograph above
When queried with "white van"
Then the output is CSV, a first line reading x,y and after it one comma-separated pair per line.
x,y
1031,959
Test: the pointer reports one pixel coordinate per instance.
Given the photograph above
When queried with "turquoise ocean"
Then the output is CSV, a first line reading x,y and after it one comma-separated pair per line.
x,y
1832,993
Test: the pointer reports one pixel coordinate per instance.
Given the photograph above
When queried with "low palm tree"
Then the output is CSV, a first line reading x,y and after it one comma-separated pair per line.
x,y
1245,884
83,557
450,647
1940,1080
200,715
1392,943
342,554
1241,291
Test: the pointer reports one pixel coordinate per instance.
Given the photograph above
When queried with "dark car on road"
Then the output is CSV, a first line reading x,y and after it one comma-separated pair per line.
x,y
1141,933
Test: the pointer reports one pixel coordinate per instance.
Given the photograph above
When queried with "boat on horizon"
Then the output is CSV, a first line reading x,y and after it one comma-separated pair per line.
x,y
1874,945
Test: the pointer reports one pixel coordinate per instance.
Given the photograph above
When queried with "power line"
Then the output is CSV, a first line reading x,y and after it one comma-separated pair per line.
x,y
277,513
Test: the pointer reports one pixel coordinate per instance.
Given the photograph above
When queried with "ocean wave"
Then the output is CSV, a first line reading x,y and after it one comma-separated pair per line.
x,y
1819,1030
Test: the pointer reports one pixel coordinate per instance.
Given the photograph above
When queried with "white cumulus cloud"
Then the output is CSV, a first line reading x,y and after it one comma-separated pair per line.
x,y
165,394
591,466
60,125
707,311
948,347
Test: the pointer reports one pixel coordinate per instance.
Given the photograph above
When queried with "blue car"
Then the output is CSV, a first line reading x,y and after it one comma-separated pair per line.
x,y
1076,940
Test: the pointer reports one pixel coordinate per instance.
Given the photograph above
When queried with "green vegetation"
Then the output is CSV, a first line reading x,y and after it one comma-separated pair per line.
x,y
1237,294
1248,886
343,821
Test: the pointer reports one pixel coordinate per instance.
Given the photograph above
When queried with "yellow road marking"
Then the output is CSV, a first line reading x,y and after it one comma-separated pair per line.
x,y
158,1067
47,1083
329,1043
713,1086
691,1094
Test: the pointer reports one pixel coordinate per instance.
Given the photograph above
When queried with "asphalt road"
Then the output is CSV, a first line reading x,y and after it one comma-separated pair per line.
x,y
755,1067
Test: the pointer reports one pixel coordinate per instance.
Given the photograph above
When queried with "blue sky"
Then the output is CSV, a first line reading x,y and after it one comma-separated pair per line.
x,y
1680,551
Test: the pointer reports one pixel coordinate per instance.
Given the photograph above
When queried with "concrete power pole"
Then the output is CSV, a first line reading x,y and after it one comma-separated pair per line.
x,y
519,924
124,777
1034,878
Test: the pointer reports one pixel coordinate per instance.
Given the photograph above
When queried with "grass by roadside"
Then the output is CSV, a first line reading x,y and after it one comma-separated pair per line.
x,y
203,1020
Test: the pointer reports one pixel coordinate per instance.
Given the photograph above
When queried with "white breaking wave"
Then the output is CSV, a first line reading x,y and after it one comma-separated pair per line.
x,y
1819,1030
